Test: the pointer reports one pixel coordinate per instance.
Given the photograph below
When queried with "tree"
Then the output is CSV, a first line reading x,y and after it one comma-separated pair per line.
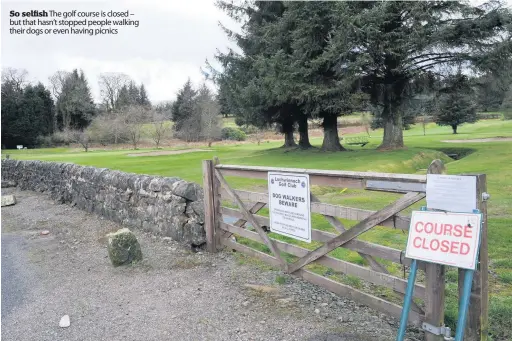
x,y
244,91
143,97
16,77
455,103
111,84
183,110
82,137
160,127
388,44
135,116
208,113
75,107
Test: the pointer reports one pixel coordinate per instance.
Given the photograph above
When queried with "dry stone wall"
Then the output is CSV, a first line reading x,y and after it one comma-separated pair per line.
x,y
165,206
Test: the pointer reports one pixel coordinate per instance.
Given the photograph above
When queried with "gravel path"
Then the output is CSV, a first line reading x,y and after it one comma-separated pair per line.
x,y
174,294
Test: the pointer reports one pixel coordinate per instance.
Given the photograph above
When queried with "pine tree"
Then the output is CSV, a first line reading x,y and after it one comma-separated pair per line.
x,y
183,107
75,106
456,103
143,96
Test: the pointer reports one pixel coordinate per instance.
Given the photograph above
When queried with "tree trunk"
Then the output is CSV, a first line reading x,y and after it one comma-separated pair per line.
x,y
454,127
393,133
303,132
392,117
209,144
289,140
331,142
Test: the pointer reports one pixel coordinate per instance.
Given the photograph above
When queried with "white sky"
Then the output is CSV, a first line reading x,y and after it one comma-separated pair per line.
x,y
172,42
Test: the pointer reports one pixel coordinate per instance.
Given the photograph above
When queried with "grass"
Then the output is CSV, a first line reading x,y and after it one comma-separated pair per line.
x,y
491,158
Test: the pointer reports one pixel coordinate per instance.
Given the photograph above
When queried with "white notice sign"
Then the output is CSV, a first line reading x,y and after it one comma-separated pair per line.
x,y
453,193
444,238
289,205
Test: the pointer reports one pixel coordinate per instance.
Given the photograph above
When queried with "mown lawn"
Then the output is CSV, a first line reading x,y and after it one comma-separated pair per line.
x,y
491,158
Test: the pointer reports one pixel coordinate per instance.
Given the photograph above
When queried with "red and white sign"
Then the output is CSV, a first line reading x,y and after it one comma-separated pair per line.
x,y
444,238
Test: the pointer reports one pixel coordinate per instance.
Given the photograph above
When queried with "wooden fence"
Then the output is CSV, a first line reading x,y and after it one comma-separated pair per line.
x,y
412,189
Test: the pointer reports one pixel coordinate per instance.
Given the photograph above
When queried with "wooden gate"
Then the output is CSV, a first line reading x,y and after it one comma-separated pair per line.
x,y
412,189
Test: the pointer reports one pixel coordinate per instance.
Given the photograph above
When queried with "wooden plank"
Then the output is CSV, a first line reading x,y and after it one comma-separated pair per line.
x,y
363,226
371,301
435,278
375,277
318,180
209,210
350,213
477,327
248,216
329,173
375,250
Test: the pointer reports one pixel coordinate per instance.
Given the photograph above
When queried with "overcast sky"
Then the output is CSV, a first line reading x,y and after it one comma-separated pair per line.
x,y
172,42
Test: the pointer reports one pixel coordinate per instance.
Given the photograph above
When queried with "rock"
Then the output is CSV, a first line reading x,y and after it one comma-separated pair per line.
x,y
45,232
317,311
64,321
245,303
340,318
123,247
8,200
187,190
324,304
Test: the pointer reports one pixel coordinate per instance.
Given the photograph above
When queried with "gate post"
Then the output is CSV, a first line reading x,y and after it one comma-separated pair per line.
x,y
477,326
209,205
434,280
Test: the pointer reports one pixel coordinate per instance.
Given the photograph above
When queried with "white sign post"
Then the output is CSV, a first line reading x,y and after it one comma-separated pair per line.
x,y
445,238
289,205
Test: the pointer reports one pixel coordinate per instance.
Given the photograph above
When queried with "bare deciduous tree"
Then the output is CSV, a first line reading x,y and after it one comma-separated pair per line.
x,y
57,82
82,137
160,127
110,85
17,77
135,116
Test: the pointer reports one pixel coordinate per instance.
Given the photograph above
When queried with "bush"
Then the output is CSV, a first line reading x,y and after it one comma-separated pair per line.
x,y
229,133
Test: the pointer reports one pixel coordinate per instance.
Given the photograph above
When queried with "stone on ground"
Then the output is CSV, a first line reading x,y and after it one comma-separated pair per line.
x,y
8,200
123,247
64,321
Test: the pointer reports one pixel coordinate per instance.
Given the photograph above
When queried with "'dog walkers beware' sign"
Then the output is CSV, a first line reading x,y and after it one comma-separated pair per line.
x,y
289,205
445,238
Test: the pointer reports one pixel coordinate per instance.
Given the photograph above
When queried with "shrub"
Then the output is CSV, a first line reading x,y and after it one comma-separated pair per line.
x,y
229,133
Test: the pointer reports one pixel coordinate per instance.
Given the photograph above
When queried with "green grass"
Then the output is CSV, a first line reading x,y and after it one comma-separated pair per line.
x,y
491,158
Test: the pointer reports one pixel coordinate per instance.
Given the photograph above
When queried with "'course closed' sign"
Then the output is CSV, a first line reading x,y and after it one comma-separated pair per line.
x,y
444,238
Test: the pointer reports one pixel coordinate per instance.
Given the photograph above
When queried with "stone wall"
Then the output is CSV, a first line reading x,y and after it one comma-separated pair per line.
x,y
165,206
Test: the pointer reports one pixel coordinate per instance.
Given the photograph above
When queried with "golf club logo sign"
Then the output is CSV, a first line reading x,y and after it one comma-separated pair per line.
x,y
289,205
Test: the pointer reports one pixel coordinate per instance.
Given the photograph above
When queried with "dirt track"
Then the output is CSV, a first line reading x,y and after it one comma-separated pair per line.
x,y
174,294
